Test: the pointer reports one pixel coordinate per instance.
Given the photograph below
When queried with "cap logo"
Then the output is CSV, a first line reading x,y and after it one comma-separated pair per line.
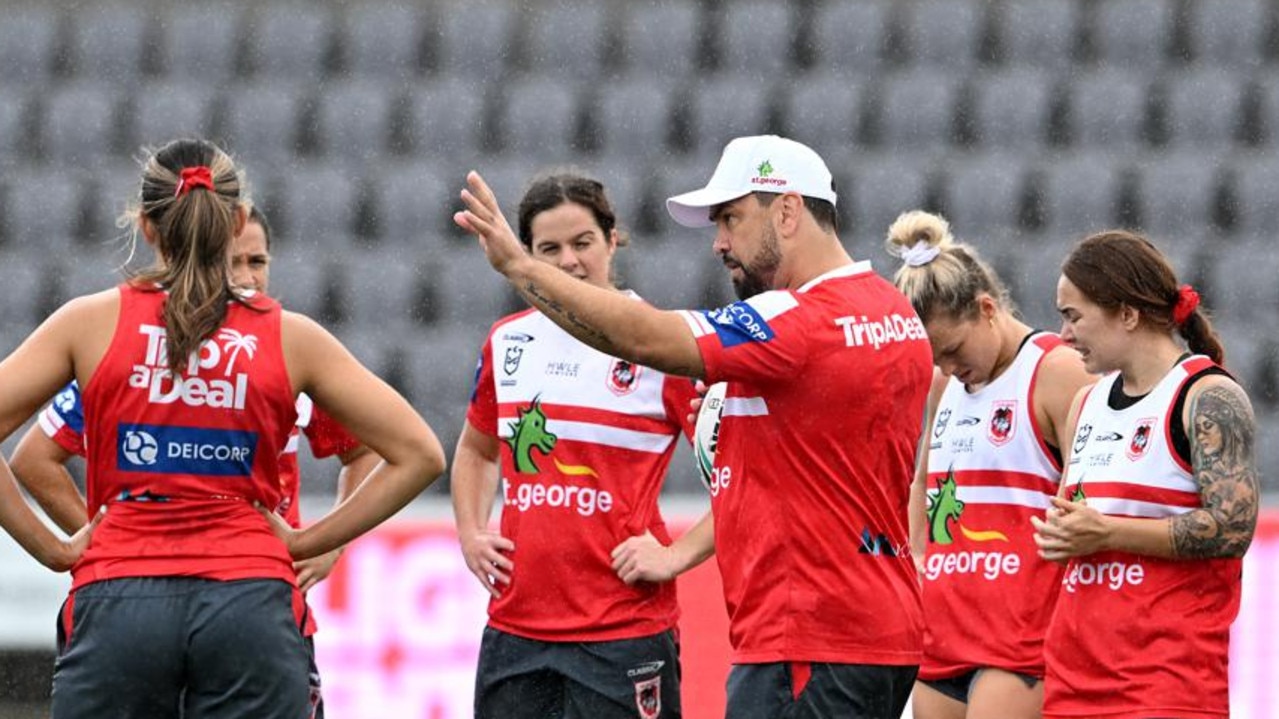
x,y
764,176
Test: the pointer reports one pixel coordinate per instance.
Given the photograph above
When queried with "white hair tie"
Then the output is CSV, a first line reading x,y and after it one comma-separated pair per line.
x,y
920,254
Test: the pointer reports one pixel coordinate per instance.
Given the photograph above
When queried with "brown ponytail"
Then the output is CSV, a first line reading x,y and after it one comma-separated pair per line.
x,y
193,216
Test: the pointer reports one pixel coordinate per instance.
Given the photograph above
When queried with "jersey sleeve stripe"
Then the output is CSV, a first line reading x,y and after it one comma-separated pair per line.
x,y
745,407
51,421
698,323
772,304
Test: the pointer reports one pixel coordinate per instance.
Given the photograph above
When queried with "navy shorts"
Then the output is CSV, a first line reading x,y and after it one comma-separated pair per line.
x,y
813,690
522,678
163,647
960,687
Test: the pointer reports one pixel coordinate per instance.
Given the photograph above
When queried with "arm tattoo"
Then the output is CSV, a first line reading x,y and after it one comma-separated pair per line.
x,y
1221,435
575,325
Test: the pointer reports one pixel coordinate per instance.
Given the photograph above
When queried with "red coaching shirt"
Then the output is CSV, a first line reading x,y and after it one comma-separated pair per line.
x,y
179,461
586,440
825,403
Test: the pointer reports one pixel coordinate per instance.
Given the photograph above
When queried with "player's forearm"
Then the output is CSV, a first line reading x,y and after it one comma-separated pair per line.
x,y
694,546
61,501
610,322
474,490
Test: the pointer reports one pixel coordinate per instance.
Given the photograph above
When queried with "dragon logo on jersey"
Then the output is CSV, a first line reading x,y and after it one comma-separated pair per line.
x,y
648,697
939,427
1003,424
528,433
945,505
1078,495
1140,438
623,377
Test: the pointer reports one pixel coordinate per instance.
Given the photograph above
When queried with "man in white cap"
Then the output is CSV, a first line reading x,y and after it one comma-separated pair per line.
x,y
828,368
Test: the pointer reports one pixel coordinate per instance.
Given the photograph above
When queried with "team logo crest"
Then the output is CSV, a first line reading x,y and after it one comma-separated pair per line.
x,y
648,697
623,377
1141,438
1081,438
1002,425
939,427
511,362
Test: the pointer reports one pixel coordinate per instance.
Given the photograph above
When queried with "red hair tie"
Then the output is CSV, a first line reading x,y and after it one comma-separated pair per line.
x,y
1187,301
193,177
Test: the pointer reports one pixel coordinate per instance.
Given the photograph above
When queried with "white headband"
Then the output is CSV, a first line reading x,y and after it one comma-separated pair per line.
x,y
920,254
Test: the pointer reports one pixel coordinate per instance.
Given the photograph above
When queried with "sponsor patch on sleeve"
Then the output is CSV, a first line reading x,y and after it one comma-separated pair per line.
x,y
738,323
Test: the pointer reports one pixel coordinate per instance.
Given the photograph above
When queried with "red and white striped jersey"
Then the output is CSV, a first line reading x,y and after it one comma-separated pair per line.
x,y
987,594
585,443
1136,636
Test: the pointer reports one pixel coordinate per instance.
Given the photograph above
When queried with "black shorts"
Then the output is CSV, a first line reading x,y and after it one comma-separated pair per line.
x,y
627,678
960,687
173,646
804,690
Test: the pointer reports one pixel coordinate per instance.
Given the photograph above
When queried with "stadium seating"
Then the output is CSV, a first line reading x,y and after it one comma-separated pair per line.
x,y
1029,123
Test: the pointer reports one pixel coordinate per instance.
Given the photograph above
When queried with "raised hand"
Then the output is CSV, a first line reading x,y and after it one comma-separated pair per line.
x,y
484,219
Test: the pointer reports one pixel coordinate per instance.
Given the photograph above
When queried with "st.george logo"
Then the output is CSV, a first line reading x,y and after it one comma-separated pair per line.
x,y
1003,422
623,377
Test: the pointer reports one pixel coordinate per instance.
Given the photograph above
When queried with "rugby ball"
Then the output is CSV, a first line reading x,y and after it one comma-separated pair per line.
x,y
706,431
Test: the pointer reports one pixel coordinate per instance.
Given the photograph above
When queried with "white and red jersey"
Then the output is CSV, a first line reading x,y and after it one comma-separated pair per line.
x,y
823,414
179,461
326,437
988,595
1136,636
586,440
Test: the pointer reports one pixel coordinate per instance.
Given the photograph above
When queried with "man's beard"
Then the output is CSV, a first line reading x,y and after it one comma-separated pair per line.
x,y
757,277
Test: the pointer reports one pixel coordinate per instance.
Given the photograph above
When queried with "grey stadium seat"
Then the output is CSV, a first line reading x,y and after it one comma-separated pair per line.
x,y
1242,283
1080,193
1229,33
1133,34
397,290
44,206
1178,192
884,186
291,40
29,43
984,194
400,196
383,39
15,106
624,185
944,33
1108,109
540,118
825,109
463,52
469,291
170,109
317,204
672,272
202,41
917,111
1012,108
849,35
1257,202
711,126
660,39
80,123
632,117
22,293
108,41
354,119
1042,33
756,38
261,121
568,39
1204,108
445,118
1266,95
109,192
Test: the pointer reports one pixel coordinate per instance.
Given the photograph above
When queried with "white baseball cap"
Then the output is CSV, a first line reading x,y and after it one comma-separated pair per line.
x,y
761,163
